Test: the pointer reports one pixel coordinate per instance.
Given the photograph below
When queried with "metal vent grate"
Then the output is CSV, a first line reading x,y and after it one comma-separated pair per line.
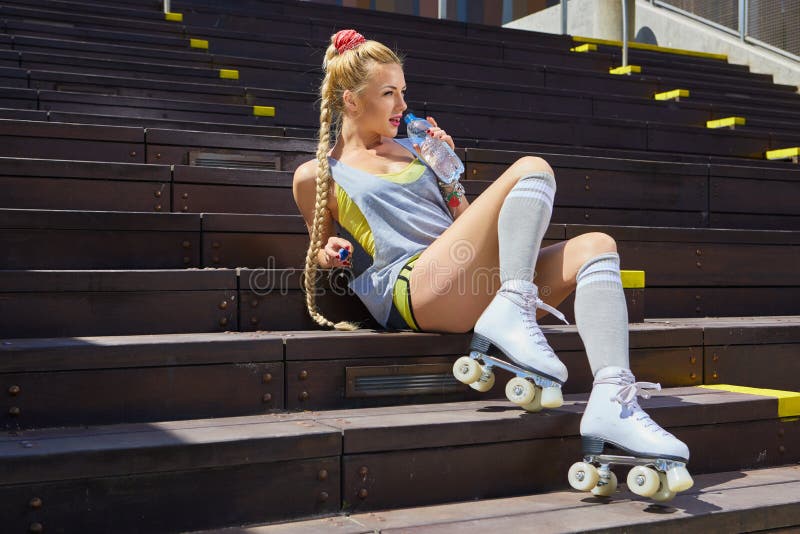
x,y
388,380
270,162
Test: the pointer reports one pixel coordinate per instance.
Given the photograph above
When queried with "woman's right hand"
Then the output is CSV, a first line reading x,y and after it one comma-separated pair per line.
x,y
331,252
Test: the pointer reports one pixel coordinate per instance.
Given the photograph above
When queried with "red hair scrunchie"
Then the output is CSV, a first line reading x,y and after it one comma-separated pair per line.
x,y
347,39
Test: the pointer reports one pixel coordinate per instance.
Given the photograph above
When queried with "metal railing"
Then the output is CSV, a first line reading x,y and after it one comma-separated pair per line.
x,y
771,24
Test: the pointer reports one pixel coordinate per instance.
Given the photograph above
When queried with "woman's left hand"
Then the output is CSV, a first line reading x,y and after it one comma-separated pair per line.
x,y
438,133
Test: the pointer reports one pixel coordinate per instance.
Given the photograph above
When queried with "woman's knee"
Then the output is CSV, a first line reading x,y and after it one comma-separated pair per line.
x,y
596,243
527,165
532,164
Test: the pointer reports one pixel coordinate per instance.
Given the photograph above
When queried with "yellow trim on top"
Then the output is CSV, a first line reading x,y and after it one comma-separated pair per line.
x,y
264,111
632,278
198,43
670,95
173,17
587,47
783,153
229,74
627,69
788,401
654,48
727,122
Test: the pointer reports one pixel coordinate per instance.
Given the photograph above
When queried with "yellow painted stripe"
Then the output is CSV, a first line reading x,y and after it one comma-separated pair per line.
x,y
173,17
264,111
726,122
229,74
198,43
632,278
655,48
588,47
788,401
625,70
669,95
784,153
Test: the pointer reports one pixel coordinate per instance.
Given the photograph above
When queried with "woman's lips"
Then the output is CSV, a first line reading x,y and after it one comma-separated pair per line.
x,y
395,122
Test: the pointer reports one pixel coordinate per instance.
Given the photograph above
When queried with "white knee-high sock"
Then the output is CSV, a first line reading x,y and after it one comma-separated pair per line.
x,y
601,313
522,222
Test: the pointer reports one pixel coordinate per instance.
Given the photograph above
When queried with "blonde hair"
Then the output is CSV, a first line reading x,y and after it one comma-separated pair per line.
x,y
350,70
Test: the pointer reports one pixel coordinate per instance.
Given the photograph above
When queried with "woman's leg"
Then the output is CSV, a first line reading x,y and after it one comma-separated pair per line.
x,y
457,276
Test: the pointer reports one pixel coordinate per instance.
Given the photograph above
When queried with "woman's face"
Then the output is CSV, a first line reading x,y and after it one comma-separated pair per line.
x,y
379,108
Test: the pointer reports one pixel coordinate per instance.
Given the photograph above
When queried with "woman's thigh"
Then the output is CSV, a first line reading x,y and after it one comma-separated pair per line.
x,y
457,276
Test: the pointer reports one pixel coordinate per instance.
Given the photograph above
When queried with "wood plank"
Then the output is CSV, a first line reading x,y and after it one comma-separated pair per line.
x,y
86,303
108,352
714,510
58,398
717,502
322,384
424,476
404,431
665,302
152,448
772,366
252,491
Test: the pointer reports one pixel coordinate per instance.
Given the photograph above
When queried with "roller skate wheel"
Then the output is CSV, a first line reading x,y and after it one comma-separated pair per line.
x,y
520,391
484,383
643,481
679,479
583,476
607,489
534,406
663,494
466,370
551,397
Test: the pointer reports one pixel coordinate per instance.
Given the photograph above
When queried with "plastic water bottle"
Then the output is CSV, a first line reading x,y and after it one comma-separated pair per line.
x,y
436,153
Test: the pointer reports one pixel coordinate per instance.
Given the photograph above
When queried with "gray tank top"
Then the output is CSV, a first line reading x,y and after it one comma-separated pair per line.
x,y
403,218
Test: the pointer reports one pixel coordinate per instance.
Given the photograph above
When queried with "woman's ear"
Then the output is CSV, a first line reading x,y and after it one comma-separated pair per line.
x,y
350,101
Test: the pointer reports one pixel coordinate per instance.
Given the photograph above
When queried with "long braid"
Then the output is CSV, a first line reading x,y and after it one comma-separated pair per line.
x,y
348,71
323,185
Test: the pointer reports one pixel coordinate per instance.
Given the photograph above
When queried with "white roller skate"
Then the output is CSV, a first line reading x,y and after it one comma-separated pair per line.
x,y
506,335
613,417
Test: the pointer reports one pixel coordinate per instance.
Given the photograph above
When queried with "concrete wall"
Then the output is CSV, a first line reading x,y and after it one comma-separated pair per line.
x,y
601,19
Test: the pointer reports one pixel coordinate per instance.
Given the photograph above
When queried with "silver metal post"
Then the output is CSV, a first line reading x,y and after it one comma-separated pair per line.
x,y
563,17
742,19
166,6
624,33
442,9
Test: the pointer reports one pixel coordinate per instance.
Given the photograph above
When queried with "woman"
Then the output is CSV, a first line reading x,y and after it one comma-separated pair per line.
x,y
466,266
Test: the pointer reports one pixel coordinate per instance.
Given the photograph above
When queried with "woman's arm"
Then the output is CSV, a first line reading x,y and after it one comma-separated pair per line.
x,y
441,134
304,190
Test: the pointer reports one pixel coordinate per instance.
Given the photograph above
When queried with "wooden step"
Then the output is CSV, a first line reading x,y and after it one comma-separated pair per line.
x,y
595,190
689,271
153,377
221,39
37,43
114,302
747,500
248,469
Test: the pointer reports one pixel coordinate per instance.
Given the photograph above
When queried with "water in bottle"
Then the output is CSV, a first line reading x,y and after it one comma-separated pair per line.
x,y
436,153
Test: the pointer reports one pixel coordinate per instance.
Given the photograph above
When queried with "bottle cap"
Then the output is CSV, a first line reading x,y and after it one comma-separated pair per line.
x,y
409,117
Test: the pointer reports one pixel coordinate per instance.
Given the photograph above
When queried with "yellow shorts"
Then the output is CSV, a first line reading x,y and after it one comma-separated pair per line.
x,y
401,296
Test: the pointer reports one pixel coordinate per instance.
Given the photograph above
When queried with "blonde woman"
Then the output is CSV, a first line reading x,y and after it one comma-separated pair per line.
x,y
465,266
